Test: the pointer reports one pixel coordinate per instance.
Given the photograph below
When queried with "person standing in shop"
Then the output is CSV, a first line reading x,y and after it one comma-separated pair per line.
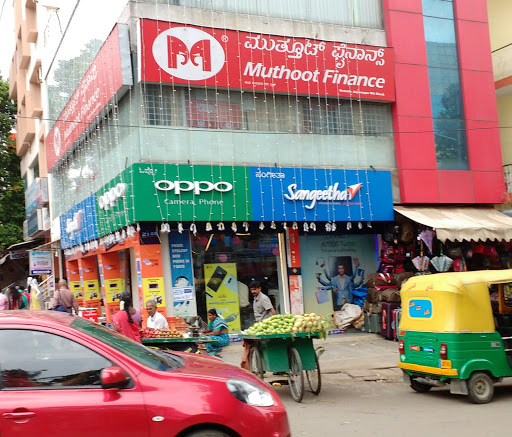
x,y
155,319
261,305
123,321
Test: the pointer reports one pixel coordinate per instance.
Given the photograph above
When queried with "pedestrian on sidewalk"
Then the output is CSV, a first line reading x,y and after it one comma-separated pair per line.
x,y
123,321
63,299
4,302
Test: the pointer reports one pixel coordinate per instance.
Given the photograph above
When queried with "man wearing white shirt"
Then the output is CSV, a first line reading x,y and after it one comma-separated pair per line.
x,y
155,319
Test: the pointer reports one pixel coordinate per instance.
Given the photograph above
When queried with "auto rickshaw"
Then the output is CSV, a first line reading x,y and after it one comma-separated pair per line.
x,y
449,333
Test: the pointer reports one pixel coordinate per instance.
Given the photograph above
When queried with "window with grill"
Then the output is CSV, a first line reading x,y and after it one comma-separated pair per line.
x,y
163,105
263,112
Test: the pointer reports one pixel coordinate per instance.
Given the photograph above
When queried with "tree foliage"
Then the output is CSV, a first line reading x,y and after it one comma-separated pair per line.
x,y
12,194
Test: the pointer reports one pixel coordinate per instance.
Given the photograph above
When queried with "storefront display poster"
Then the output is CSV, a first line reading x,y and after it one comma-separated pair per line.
x,y
322,256
153,289
222,292
92,293
184,296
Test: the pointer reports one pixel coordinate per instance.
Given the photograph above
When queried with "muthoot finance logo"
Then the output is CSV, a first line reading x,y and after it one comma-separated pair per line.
x,y
188,53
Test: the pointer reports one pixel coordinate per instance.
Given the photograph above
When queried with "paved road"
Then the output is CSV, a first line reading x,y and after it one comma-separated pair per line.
x,y
358,408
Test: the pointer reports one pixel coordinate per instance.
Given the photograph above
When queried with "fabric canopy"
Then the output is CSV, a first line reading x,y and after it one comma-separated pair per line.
x,y
461,223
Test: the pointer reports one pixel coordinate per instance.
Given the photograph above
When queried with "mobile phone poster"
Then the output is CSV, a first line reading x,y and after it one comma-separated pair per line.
x,y
323,258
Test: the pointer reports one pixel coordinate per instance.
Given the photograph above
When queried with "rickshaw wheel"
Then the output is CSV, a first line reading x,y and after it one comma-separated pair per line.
x,y
255,362
296,375
314,378
480,388
419,387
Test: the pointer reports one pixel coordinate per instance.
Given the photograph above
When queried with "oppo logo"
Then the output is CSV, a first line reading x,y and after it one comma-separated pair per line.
x,y
109,199
188,53
197,187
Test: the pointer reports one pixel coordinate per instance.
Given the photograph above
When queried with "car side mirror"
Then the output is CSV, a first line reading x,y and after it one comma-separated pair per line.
x,y
113,377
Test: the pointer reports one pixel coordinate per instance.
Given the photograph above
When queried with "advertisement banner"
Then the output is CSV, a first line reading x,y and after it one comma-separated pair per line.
x,y
107,75
36,195
170,192
193,55
296,300
114,204
78,224
153,289
333,266
308,194
40,262
222,292
182,274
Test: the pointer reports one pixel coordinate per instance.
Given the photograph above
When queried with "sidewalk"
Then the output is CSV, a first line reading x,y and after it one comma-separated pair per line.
x,y
348,356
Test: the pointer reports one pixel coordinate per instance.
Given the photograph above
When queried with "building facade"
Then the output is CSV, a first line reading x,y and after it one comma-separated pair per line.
x,y
195,146
501,45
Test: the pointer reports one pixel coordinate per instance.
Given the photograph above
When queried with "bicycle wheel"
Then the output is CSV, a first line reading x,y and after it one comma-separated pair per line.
x,y
296,375
314,378
256,362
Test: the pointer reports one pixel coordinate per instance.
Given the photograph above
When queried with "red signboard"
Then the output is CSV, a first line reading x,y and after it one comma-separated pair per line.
x,y
177,53
107,74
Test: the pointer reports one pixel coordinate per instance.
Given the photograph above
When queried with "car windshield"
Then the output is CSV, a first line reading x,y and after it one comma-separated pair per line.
x,y
151,358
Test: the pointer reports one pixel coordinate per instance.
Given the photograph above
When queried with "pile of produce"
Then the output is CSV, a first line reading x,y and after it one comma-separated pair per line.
x,y
161,333
289,324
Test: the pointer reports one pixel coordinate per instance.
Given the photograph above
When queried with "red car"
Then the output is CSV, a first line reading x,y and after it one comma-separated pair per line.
x,y
66,376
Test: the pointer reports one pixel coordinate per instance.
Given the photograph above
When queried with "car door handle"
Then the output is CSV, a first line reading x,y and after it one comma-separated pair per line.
x,y
18,416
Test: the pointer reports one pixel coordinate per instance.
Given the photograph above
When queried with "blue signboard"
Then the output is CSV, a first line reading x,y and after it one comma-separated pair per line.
x,y
78,224
182,274
307,194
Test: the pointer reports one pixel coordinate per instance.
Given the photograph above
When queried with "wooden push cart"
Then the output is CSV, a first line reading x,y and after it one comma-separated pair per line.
x,y
289,354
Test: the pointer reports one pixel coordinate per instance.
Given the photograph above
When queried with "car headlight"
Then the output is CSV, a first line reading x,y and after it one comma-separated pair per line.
x,y
249,394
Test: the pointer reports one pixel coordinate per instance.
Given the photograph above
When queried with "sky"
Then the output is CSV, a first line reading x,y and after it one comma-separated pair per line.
x,y
6,37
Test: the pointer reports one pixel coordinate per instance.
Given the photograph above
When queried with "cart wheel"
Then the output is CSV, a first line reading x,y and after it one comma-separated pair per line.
x,y
314,378
296,375
480,388
255,362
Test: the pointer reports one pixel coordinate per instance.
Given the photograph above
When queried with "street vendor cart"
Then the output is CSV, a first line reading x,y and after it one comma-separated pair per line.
x,y
288,353
177,344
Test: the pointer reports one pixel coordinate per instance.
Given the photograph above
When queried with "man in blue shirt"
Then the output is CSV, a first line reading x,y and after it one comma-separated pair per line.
x,y
341,284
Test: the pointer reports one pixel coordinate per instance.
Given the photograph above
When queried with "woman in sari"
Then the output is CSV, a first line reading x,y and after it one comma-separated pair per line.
x,y
217,330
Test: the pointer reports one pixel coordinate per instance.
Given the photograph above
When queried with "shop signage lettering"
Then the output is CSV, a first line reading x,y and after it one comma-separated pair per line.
x,y
106,77
332,194
109,199
235,59
197,187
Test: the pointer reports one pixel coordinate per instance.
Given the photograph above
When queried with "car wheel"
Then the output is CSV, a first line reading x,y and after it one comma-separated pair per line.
x,y
207,433
419,387
480,388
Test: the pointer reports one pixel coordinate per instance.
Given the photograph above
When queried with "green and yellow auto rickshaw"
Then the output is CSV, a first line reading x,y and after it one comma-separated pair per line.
x,y
451,333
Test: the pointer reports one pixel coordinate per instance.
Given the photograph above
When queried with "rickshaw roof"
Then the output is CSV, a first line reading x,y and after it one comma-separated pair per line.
x,y
450,302
452,281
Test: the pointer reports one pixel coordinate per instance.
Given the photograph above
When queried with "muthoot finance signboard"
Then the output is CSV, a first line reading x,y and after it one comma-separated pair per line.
x,y
178,53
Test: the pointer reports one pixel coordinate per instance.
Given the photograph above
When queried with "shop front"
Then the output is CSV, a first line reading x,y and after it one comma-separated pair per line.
x,y
193,237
